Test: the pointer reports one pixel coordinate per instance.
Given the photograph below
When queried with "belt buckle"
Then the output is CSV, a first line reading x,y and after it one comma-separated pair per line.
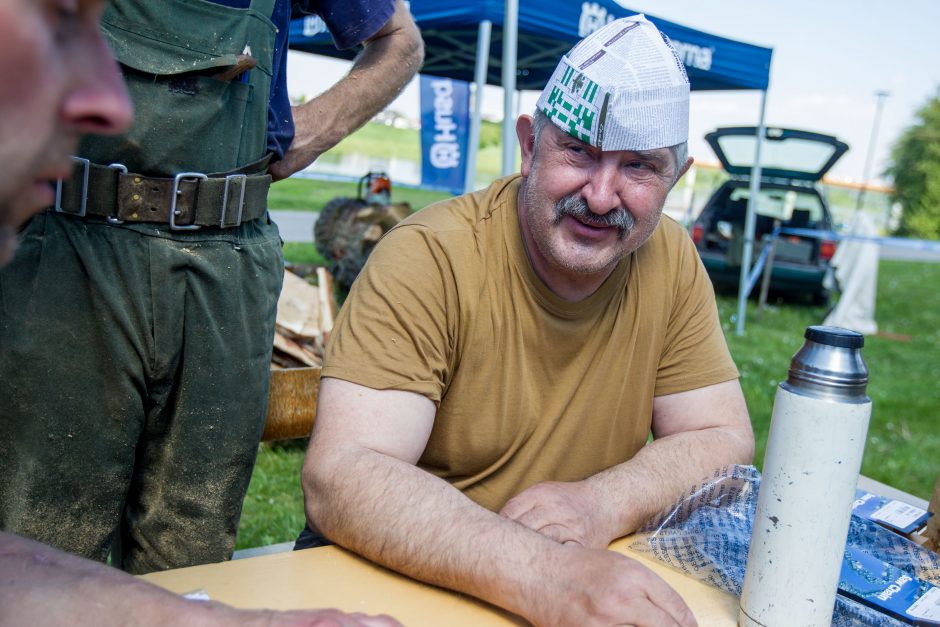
x,y
86,167
174,194
241,200
119,169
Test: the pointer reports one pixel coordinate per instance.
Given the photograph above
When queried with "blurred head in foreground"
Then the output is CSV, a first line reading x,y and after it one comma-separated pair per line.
x,y
60,81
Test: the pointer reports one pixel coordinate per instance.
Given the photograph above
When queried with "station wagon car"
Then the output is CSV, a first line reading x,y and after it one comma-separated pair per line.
x,y
793,161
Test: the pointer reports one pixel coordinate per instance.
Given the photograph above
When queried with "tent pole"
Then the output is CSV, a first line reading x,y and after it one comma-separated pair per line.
x,y
479,79
751,219
510,36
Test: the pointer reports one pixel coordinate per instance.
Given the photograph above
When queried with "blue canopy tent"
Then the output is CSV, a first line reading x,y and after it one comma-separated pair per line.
x,y
531,36
546,30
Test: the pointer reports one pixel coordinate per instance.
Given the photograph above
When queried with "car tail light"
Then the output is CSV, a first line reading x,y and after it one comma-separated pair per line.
x,y
827,248
697,232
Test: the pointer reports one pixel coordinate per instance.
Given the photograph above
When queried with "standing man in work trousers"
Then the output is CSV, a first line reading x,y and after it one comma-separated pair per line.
x,y
493,377
62,82
138,316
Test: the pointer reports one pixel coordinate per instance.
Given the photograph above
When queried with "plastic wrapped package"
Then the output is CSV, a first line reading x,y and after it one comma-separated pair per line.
x,y
707,532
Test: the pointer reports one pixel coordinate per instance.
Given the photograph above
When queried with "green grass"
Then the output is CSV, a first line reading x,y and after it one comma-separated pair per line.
x,y
274,508
386,141
378,140
301,194
303,253
904,442
903,447
383,142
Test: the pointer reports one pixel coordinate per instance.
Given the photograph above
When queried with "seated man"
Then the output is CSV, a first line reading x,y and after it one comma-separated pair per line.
x,y
61,82
491,383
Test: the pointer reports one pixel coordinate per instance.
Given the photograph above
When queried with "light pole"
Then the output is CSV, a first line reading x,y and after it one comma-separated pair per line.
x,y
880,95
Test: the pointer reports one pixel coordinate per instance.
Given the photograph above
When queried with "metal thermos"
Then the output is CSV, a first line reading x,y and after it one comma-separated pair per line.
x,y
814,454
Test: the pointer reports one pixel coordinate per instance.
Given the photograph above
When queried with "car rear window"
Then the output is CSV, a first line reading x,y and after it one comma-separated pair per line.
x,y
786,154
804,208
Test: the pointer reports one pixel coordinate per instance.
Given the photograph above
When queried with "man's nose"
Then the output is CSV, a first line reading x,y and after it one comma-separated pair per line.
x,y
97,101
602,191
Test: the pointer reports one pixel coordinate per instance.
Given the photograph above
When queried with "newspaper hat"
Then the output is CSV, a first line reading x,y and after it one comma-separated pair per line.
x,y
622,87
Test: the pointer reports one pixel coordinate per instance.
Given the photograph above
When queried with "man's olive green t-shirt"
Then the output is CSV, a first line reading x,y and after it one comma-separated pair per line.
x,y
529,387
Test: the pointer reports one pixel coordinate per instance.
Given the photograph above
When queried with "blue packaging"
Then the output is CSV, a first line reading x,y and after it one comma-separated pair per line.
x,y
898,516
889,590
706,534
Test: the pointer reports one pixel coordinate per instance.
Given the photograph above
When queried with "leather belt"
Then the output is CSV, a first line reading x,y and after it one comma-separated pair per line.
x,y
188,201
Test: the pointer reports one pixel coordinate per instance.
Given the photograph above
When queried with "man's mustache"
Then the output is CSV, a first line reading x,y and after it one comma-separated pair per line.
x,y
575,206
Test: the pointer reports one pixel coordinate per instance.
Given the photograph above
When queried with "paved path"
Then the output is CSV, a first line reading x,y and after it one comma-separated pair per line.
x,y
903,253
295,226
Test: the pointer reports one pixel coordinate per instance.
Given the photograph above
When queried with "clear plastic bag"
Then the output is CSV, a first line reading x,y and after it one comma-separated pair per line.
x,y
707,532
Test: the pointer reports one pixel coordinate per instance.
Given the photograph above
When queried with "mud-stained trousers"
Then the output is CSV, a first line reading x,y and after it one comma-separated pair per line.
x,y
134,368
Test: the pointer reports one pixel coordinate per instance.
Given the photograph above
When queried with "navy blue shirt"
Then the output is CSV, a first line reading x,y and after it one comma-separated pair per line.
x,y
350,22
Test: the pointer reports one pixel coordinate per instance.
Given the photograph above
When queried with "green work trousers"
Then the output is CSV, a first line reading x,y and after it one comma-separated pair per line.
x,y
134,368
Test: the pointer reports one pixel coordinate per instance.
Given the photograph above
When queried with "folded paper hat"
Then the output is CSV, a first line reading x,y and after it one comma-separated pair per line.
x,y
622,87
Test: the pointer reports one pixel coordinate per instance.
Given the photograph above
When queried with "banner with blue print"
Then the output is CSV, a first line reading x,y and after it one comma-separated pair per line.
x,y
445,128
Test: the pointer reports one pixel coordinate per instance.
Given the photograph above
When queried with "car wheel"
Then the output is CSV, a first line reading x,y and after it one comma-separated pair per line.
x,y
821,298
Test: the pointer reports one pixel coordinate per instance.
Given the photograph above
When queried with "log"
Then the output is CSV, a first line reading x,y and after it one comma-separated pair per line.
x,y
292,403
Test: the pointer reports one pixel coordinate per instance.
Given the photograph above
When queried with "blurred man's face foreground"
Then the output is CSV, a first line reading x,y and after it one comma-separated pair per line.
x,y
60,81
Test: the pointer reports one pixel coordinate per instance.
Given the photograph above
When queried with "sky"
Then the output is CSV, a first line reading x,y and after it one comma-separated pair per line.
x,y
830,57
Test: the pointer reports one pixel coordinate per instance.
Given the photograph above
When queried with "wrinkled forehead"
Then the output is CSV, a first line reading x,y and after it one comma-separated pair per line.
x,y
661,156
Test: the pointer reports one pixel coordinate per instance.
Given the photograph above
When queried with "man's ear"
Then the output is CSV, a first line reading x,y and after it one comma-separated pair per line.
x,y
524,128
685,168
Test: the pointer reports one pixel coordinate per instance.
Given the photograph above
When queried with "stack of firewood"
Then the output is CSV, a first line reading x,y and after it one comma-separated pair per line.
x,y
305,316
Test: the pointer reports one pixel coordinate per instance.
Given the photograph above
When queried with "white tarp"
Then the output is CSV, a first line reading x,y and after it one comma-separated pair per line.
x,y
856,270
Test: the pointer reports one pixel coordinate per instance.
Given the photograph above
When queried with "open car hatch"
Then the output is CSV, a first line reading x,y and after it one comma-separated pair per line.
x,y
786,153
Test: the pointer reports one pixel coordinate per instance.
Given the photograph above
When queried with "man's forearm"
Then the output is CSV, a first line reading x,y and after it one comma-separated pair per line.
x,y
662,471
405,518
410,521
695,432
377,76
40,585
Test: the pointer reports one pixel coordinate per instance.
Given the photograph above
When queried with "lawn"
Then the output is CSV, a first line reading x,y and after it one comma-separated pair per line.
x,y
903,448
903,359
300,194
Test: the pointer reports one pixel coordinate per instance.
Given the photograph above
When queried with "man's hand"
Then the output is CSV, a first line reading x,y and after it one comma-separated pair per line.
x,y
600,587
568,513
597,587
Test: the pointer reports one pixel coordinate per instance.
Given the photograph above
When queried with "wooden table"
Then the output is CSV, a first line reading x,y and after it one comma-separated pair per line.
x,y
333,577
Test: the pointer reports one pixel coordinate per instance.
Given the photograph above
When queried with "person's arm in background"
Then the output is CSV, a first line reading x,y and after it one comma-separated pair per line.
x,y
694,433
389,60
40,585
363,490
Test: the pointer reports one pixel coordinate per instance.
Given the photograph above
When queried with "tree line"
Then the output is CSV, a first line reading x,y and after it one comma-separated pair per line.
x,y
915,168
